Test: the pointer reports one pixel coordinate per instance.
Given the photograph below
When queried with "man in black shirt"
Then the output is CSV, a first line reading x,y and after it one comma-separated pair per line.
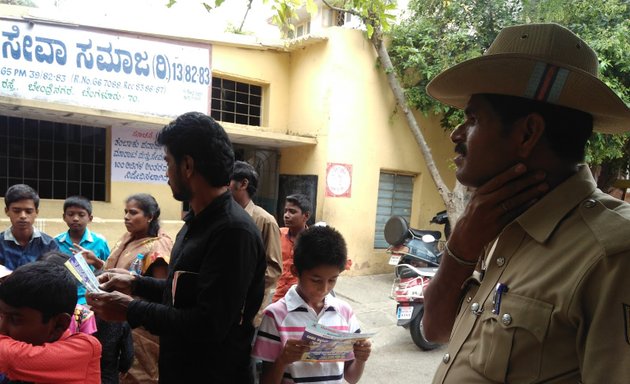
x,y
206,333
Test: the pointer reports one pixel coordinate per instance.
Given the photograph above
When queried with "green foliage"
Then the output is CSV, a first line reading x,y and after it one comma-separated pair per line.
x,y
284,12
24,3
440,33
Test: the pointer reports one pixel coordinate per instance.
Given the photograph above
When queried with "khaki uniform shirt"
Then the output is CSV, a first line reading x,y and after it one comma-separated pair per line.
x,y
270,233
565,317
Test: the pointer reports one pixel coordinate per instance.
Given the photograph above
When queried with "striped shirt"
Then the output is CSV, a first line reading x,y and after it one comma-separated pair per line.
x,y
286,319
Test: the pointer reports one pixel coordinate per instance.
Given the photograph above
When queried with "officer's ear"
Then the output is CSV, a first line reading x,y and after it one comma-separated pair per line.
x,y
527,132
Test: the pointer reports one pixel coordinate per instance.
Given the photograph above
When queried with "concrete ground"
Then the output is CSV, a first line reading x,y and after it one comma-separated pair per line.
x,y
394,358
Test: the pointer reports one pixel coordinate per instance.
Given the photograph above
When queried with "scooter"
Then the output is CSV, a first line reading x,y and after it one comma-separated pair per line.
x,y
416,256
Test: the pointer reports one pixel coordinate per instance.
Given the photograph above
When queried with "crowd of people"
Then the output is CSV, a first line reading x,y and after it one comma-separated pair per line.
x,y
531,287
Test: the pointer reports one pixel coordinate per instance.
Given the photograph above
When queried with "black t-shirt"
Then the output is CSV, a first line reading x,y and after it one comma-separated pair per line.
x,y
209,342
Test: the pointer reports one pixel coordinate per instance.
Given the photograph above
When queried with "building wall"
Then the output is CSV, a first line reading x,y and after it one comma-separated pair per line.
x,y
339,93
230,61
267,68
328,89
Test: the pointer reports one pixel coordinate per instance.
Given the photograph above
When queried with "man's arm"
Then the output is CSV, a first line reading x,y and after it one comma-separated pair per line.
x,y
491,208
271,239
225,278
62,361
600,311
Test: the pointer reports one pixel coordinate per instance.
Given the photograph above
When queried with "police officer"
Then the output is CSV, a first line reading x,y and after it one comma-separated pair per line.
x,y
549,252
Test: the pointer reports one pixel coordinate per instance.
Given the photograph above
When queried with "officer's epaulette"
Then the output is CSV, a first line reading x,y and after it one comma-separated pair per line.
x,y
609,220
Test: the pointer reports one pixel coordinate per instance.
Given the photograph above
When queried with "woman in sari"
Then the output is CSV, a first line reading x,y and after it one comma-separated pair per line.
x,y
144,236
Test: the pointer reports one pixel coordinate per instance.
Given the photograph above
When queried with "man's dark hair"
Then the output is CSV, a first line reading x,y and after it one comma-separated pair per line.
x,y
197,135
150,207
78,202
301,201
43,286
317,246
244,170
566,129
20,192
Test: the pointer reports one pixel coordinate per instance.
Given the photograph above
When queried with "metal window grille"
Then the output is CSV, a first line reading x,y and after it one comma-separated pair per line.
x,y
395,194
56,159
340,19
236,102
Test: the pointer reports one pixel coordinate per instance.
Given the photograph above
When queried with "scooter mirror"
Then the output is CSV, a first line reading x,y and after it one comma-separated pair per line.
x,y
428,238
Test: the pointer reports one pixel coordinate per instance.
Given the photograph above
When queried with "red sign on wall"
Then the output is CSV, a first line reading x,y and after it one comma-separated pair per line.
x,y
338,180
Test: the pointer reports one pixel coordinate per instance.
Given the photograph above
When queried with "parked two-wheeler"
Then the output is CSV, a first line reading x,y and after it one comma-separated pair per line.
x,y
416,256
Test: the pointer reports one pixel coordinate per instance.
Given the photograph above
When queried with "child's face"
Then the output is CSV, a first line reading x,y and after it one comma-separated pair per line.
x,y
22,214
77,219
314,284
25,324
294,217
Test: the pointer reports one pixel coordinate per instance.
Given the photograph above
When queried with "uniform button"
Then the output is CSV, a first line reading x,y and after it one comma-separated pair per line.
x,y
500,261
590,203
474,307
468,299
506,319
446,358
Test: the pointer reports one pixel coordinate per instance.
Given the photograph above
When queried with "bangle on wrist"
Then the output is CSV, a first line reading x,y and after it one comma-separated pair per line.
x,y
460,261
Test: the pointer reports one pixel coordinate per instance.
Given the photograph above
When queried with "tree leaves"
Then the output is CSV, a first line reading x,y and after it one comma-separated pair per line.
x,y
441,33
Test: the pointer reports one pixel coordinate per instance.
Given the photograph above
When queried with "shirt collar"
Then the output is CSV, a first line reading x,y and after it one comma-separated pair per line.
x,y
543,217
8,235
295,301
209,210
249,208
87,236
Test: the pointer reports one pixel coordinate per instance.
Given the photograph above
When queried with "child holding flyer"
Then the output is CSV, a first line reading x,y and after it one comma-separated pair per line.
x,y
82,318
320,255
77,213
36,304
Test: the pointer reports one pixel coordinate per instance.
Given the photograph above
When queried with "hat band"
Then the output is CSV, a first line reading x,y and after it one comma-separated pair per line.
x,y
546,82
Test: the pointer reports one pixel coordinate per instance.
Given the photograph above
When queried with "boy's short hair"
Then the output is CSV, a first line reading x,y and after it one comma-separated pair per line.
x,y
301,201
55,257
19,192
79,202
43,286
317,246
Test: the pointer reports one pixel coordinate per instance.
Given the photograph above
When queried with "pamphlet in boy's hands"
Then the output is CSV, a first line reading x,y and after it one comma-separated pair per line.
x,y
328,344
82,272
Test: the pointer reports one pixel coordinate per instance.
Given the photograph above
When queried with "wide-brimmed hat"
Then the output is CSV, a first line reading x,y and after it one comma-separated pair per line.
x,y
545,62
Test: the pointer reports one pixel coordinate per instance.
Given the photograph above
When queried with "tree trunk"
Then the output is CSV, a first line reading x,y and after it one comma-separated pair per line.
x,y
454,201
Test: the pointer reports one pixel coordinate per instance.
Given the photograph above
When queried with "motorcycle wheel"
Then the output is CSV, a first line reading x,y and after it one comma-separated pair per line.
x,y
415,327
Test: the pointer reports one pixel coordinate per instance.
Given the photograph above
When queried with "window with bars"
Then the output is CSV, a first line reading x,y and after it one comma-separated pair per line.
x,y
236,102
56,159
395,194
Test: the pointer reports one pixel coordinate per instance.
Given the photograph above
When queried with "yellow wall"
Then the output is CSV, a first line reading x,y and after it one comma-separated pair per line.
x,y
267,68
339,93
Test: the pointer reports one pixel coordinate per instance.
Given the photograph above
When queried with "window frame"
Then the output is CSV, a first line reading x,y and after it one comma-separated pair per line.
x,y
57,159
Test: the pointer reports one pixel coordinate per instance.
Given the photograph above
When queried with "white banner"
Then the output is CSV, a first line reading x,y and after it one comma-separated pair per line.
x,y
136,157
103,70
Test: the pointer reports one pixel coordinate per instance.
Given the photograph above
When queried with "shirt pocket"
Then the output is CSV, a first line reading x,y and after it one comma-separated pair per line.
x,y
510,346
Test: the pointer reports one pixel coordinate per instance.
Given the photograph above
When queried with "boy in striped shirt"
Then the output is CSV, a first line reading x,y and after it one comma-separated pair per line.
x,y
320,255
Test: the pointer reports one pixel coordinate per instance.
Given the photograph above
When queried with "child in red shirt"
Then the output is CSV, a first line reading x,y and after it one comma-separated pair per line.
x,y
36,304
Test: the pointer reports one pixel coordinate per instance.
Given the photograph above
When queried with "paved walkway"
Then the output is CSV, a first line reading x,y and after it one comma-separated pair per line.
x,y
395,358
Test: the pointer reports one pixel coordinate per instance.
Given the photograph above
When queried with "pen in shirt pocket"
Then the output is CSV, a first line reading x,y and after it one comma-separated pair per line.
x,y
499,291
